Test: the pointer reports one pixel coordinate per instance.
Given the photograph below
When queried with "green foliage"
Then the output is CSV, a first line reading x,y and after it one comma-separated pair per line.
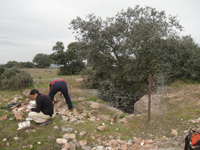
x,y
70,60
10,79
2,69
123,50
27,64
11,64
42,60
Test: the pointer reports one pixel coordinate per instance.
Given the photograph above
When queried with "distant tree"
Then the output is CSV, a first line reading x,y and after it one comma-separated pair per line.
x,y
27,64
42,60
11,64
71,62
2,69
59,55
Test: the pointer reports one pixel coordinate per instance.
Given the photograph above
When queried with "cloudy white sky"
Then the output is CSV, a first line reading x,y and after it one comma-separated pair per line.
x,y
29,27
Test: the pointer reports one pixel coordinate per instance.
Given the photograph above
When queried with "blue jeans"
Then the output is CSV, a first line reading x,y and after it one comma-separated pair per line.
x,y
62,87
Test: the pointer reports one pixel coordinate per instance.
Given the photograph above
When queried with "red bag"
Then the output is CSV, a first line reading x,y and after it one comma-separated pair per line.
x,y
192,140
195,139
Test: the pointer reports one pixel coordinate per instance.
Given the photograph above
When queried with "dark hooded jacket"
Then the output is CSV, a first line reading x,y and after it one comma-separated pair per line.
x,y
44,104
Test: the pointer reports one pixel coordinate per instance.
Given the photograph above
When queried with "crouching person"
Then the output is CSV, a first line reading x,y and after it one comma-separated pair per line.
x,y
44,108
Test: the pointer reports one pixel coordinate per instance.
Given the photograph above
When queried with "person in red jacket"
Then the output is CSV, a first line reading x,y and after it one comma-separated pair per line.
x,y
60,85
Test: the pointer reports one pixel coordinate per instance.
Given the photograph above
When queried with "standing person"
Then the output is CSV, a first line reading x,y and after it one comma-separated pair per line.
x,y
60,85
44,109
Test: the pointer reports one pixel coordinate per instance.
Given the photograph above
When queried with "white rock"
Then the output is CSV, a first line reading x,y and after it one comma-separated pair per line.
x,y
95,105
61,141
174,132
55,127
69,136
82,133
83,142
16,138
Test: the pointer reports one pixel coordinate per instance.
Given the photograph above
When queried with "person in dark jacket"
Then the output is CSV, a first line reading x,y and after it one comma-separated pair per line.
x,y
60,85
44,109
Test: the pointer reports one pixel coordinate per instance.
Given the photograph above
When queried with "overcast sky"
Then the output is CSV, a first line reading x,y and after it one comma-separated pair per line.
x,y
29,27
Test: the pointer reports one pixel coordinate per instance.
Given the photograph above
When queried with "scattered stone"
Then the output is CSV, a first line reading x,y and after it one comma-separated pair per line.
x,y
55,127
67,129
149,141
4,117
16,138
92,137
39,143
76,143
92,119
105,117
98,148
111,137
15,99
66,147
124,147
61,141
30,130
72,119
174,132
27,146
18,115
82,133
7,99
101,128
137,140
64,118
69,136
108,148
113,143
4,139
72,146
83,142
86,147
95,105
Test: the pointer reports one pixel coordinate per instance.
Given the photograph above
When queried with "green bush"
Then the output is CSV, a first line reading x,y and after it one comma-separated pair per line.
x,y
2,69
72,69
10,79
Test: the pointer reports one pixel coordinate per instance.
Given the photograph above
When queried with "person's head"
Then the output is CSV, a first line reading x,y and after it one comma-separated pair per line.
x,y
34,93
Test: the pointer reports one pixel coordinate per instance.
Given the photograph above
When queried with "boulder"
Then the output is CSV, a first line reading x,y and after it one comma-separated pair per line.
x,y
141,106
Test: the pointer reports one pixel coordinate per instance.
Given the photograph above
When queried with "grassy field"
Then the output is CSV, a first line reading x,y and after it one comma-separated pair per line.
x,y
180,102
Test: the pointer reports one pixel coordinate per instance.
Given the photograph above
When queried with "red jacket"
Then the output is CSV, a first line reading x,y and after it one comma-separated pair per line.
x,y
51,83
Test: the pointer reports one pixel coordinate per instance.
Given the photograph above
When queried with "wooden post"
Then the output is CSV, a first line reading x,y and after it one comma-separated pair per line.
x,y
70,86
149,106
20,80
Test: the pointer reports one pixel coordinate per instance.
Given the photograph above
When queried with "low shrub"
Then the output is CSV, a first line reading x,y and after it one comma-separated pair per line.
x,y
10,79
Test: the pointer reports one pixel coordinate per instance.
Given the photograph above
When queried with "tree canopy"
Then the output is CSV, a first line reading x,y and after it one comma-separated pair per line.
x,y
123,50
69,59
42,60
